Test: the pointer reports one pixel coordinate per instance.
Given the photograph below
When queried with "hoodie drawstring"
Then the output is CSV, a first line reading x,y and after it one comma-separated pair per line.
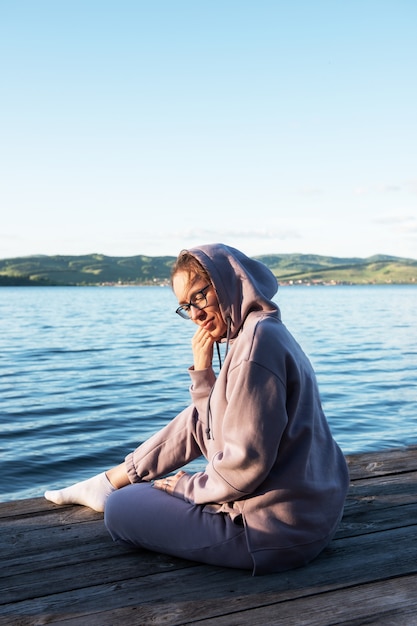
x,y
208,415
219,355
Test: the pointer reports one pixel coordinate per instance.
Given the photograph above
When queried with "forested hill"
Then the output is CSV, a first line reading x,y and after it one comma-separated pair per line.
x,y
97,269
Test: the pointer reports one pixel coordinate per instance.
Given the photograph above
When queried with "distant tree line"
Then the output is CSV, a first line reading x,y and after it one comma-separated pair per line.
x,y
292,269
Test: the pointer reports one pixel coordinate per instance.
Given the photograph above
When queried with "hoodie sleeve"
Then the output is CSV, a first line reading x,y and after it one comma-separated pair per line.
x,y
180,441
168,449
247,442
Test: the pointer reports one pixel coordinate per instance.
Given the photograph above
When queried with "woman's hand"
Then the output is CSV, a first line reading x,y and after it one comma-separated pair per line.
x,y
168,484
202,345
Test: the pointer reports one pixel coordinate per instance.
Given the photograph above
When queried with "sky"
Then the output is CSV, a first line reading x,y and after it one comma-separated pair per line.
x,y
135,127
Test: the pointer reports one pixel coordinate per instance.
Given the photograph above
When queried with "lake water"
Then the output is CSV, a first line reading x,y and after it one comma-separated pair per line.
x,y
88,373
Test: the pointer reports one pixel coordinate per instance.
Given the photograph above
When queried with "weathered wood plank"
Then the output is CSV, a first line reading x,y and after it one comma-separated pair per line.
x,y
42,543
46,536
348,562
391,602
384,462
388,602
61,567
81,574
380,519
41,512
31,507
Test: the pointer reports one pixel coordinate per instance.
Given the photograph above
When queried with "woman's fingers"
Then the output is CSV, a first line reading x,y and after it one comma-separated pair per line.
x,y
168,484
202,345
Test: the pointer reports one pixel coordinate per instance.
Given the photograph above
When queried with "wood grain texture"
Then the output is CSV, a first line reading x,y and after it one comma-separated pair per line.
x,y
59,566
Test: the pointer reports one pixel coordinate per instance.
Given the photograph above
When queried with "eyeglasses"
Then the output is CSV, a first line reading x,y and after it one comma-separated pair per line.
x,y
198,301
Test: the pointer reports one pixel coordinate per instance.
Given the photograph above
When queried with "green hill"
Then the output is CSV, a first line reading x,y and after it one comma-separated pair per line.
x,y
98,269
91,269
307,268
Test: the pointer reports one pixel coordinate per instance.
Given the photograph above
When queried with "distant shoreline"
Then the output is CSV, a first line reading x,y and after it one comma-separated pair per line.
x,y
290,269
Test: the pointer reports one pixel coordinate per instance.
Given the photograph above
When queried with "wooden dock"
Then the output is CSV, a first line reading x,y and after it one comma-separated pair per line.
x,y
59,566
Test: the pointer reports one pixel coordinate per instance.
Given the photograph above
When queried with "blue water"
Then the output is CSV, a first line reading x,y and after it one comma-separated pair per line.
x,y
88,373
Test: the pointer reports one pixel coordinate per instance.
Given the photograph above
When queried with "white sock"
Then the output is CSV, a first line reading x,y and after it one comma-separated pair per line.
x,y
92,493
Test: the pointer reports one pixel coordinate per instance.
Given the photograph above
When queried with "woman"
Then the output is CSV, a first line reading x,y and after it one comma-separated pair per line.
x,y
273,490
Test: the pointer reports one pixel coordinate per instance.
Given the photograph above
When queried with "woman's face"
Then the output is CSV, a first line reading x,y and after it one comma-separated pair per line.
x,y
190,290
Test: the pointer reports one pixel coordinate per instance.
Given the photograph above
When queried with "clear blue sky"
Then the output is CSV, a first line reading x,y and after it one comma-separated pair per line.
x,y
143,127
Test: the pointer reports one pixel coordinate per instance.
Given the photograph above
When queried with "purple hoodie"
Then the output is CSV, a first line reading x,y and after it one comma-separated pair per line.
x,y
272,463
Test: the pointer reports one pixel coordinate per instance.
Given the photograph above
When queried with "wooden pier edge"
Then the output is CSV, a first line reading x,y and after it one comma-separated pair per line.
x,y
59,566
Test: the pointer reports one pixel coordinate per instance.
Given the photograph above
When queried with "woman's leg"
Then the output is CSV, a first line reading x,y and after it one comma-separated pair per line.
x,y
142,516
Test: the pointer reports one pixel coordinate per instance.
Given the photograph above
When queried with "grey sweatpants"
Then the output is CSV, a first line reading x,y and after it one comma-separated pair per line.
x,y
142,516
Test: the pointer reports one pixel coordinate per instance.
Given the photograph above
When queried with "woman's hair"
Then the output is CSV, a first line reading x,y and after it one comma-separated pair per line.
x,y
186,262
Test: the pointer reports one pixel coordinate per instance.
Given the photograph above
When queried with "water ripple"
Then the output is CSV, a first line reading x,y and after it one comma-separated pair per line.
x,y
86,374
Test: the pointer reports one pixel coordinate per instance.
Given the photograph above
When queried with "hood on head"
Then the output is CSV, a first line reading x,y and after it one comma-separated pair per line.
x,y
242,284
